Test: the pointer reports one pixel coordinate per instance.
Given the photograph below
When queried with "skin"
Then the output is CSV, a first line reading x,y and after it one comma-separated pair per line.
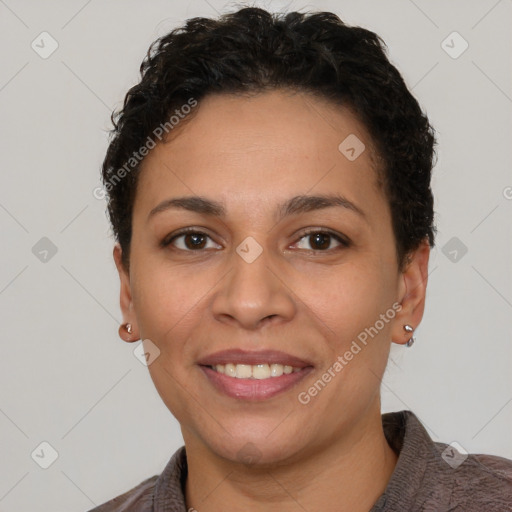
x,y
252,154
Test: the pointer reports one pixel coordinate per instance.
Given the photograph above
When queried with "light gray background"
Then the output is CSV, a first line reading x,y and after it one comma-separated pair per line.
x,y
68,379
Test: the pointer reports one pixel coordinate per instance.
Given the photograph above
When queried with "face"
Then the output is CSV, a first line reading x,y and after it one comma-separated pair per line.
x,y
267,277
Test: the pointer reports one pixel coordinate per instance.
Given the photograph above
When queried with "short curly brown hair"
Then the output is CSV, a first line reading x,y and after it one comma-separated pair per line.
x,y
251,51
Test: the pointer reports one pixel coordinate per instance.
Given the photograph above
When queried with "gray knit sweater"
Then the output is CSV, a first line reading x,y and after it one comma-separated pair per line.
x,y
429,476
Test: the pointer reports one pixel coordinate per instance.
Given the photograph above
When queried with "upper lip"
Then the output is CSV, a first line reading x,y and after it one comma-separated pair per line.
x,y
238,356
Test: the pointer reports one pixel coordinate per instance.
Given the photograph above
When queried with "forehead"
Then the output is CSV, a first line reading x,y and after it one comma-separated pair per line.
x,y
270,145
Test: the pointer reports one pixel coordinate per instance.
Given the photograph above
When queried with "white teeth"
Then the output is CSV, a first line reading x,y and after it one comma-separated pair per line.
x,y
229,369
243,371
255,371
276,370
261,371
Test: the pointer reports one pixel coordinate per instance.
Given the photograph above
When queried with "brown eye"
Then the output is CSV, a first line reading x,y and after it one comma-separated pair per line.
x,y
194,240
189,241
321,241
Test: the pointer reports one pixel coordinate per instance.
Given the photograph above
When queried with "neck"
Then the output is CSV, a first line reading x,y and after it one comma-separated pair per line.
x,y
347,474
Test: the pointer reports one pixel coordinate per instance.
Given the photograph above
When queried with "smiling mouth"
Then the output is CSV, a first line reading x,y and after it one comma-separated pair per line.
x,y
254,371
254,382
254,375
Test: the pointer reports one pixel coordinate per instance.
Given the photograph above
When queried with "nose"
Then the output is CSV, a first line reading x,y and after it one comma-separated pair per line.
x,y
254,293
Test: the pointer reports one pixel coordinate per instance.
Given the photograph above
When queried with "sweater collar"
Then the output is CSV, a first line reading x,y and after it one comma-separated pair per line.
x,y
404,433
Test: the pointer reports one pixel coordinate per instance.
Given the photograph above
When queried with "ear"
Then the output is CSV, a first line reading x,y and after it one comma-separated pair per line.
x,y
412,291
125,299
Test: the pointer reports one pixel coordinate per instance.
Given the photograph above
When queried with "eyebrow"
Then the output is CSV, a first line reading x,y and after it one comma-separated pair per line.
x,y
293,206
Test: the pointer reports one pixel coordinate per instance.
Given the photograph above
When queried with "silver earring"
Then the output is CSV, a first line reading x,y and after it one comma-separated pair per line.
x,y
409,328
129,328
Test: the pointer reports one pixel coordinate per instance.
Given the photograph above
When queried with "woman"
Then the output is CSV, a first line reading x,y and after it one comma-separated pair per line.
x,y
269,190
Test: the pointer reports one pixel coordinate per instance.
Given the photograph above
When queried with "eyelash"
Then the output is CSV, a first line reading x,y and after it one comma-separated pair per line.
x,y
345,243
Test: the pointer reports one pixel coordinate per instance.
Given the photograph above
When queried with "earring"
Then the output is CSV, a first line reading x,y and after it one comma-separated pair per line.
x,y
409,328
126,333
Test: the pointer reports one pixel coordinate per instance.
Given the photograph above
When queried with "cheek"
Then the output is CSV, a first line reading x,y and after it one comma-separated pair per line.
x,y
166,303
347,299
166,299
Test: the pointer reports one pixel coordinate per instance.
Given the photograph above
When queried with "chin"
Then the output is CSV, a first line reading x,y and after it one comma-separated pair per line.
x,y
264,445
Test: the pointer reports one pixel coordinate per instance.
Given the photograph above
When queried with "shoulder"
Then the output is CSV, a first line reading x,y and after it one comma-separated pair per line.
x,y
482,482
164,490
138,499
433,476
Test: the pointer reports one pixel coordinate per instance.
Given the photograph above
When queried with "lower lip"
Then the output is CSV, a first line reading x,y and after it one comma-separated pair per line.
x,y
254,389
